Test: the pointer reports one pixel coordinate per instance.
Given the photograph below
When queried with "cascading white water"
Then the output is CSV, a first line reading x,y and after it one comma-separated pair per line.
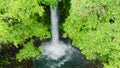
x,y
56,53
54,24
55,49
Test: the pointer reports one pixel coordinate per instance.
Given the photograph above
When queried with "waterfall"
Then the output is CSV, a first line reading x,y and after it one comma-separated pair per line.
x,y
54,24
56,53
55,49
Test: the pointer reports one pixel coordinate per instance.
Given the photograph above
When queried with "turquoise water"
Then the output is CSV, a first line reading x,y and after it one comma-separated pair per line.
x,y
76,60
57,53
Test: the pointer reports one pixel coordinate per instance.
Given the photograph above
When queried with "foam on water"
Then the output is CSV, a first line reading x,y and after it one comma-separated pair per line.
x,y
55,50
56,53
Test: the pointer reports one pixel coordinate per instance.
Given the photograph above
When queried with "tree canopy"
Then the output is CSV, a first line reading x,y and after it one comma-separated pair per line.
x,y
20,20
92,25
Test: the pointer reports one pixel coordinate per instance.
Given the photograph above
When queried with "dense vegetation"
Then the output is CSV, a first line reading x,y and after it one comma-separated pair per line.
x,y
20,21
92,25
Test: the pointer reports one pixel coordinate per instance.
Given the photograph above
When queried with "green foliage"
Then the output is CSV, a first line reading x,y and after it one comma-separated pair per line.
x,y
64,7
4,60
29,51
20,20
54,3
93,26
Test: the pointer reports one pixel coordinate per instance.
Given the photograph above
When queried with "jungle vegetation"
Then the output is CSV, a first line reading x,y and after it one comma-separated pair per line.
x,y
92,25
